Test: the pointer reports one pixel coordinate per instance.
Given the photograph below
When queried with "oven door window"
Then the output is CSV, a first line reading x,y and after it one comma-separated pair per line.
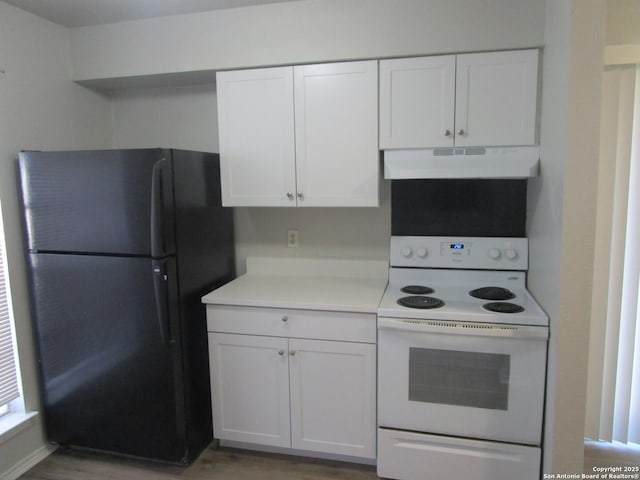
x,y
451,377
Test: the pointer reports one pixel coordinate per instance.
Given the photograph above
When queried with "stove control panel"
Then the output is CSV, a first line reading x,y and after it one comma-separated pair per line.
x,y
487,253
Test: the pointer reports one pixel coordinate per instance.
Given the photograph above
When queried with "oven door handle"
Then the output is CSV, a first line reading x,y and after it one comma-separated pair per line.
x,y
464,328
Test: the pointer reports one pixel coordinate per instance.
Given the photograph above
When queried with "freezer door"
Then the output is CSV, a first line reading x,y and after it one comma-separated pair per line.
x,y
102,201
109,354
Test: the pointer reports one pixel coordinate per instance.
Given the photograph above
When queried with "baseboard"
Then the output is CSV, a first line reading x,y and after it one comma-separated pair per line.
x,y
297,453
27,463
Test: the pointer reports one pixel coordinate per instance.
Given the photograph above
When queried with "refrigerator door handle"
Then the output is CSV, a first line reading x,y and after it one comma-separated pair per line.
x,y
158,244
161,289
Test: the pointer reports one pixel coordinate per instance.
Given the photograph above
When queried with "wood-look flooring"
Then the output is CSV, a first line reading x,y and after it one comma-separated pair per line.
x,y
220,464
231,464
603,454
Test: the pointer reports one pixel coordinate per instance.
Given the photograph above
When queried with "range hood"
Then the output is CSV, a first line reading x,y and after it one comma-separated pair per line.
x,y
464,162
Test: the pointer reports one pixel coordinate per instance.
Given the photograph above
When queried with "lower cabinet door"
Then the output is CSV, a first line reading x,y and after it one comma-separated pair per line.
x,y
333,397
250,388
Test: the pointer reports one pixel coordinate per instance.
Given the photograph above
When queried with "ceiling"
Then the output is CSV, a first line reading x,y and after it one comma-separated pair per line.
x,y
80,13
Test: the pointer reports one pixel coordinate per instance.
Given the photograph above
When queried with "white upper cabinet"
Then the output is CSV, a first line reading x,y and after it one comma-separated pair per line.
x,y
479,99
496,98
417,96
336,110
257,145
300,136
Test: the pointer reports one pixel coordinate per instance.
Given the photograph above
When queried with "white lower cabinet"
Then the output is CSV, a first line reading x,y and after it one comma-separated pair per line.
x,y
303,394
332,401
250,388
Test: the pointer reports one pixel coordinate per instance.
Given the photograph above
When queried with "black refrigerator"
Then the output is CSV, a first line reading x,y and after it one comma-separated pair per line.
x,y
121,245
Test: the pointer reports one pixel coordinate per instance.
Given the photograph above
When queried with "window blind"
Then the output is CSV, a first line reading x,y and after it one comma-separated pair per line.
x,y
626,418
8,378
616,416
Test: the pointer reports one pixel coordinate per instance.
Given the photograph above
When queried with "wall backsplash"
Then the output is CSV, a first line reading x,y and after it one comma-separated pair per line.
x,y
477,207
356,233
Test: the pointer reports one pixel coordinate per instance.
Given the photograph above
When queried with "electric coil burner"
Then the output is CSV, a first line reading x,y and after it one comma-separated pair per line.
x,y
492,293
503,307
417,290
418,301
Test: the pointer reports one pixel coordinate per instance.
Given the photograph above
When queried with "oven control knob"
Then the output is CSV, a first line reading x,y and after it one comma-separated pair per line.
x,y
406,252
511,253
421,252
494,253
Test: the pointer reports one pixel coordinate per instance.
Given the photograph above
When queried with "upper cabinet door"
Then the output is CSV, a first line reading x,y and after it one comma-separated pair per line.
x,y
417,102
496,98
336,112
256,128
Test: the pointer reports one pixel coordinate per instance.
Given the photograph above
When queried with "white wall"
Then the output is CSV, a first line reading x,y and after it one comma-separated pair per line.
x,y
623,22
177,117
41,109
293,32
304,31
562,223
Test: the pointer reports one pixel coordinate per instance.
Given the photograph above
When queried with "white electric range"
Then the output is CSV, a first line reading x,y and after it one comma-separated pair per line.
x,y
462,349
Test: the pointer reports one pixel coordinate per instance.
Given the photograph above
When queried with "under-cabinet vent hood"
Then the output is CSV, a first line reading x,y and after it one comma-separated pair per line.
x,y
464,162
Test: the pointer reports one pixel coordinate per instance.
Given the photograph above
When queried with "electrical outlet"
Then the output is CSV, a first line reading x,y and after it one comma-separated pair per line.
x,y
292,238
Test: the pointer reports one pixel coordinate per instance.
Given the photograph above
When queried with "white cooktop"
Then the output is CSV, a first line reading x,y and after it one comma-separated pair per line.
x,y
453,287
452,267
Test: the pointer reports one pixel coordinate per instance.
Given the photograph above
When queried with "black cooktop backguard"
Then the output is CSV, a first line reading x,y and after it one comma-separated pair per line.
x,y
470,208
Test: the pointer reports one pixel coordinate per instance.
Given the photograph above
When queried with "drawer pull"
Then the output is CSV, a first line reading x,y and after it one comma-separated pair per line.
x,y
281,352
285,318
292,353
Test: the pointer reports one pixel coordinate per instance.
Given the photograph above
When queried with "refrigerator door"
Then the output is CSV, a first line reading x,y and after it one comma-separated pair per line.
x,y
110,364
205,256
116,202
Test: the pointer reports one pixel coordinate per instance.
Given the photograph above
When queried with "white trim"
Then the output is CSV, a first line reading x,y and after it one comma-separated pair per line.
x,y
9,385
27,463
14,423
294,452
621,54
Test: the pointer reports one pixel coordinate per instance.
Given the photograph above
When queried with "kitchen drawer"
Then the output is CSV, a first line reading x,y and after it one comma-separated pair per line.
x,y
412,456
277,322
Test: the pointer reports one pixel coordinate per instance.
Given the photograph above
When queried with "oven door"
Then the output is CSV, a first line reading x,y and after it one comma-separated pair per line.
x,y
454,378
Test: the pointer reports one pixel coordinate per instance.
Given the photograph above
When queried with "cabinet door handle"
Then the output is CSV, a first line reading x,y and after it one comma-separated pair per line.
x,y
447,133
285,318
290,196
281,352
460,131
292,353
300,196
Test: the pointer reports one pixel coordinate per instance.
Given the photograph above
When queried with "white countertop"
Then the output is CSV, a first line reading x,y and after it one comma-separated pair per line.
x,y
310,284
